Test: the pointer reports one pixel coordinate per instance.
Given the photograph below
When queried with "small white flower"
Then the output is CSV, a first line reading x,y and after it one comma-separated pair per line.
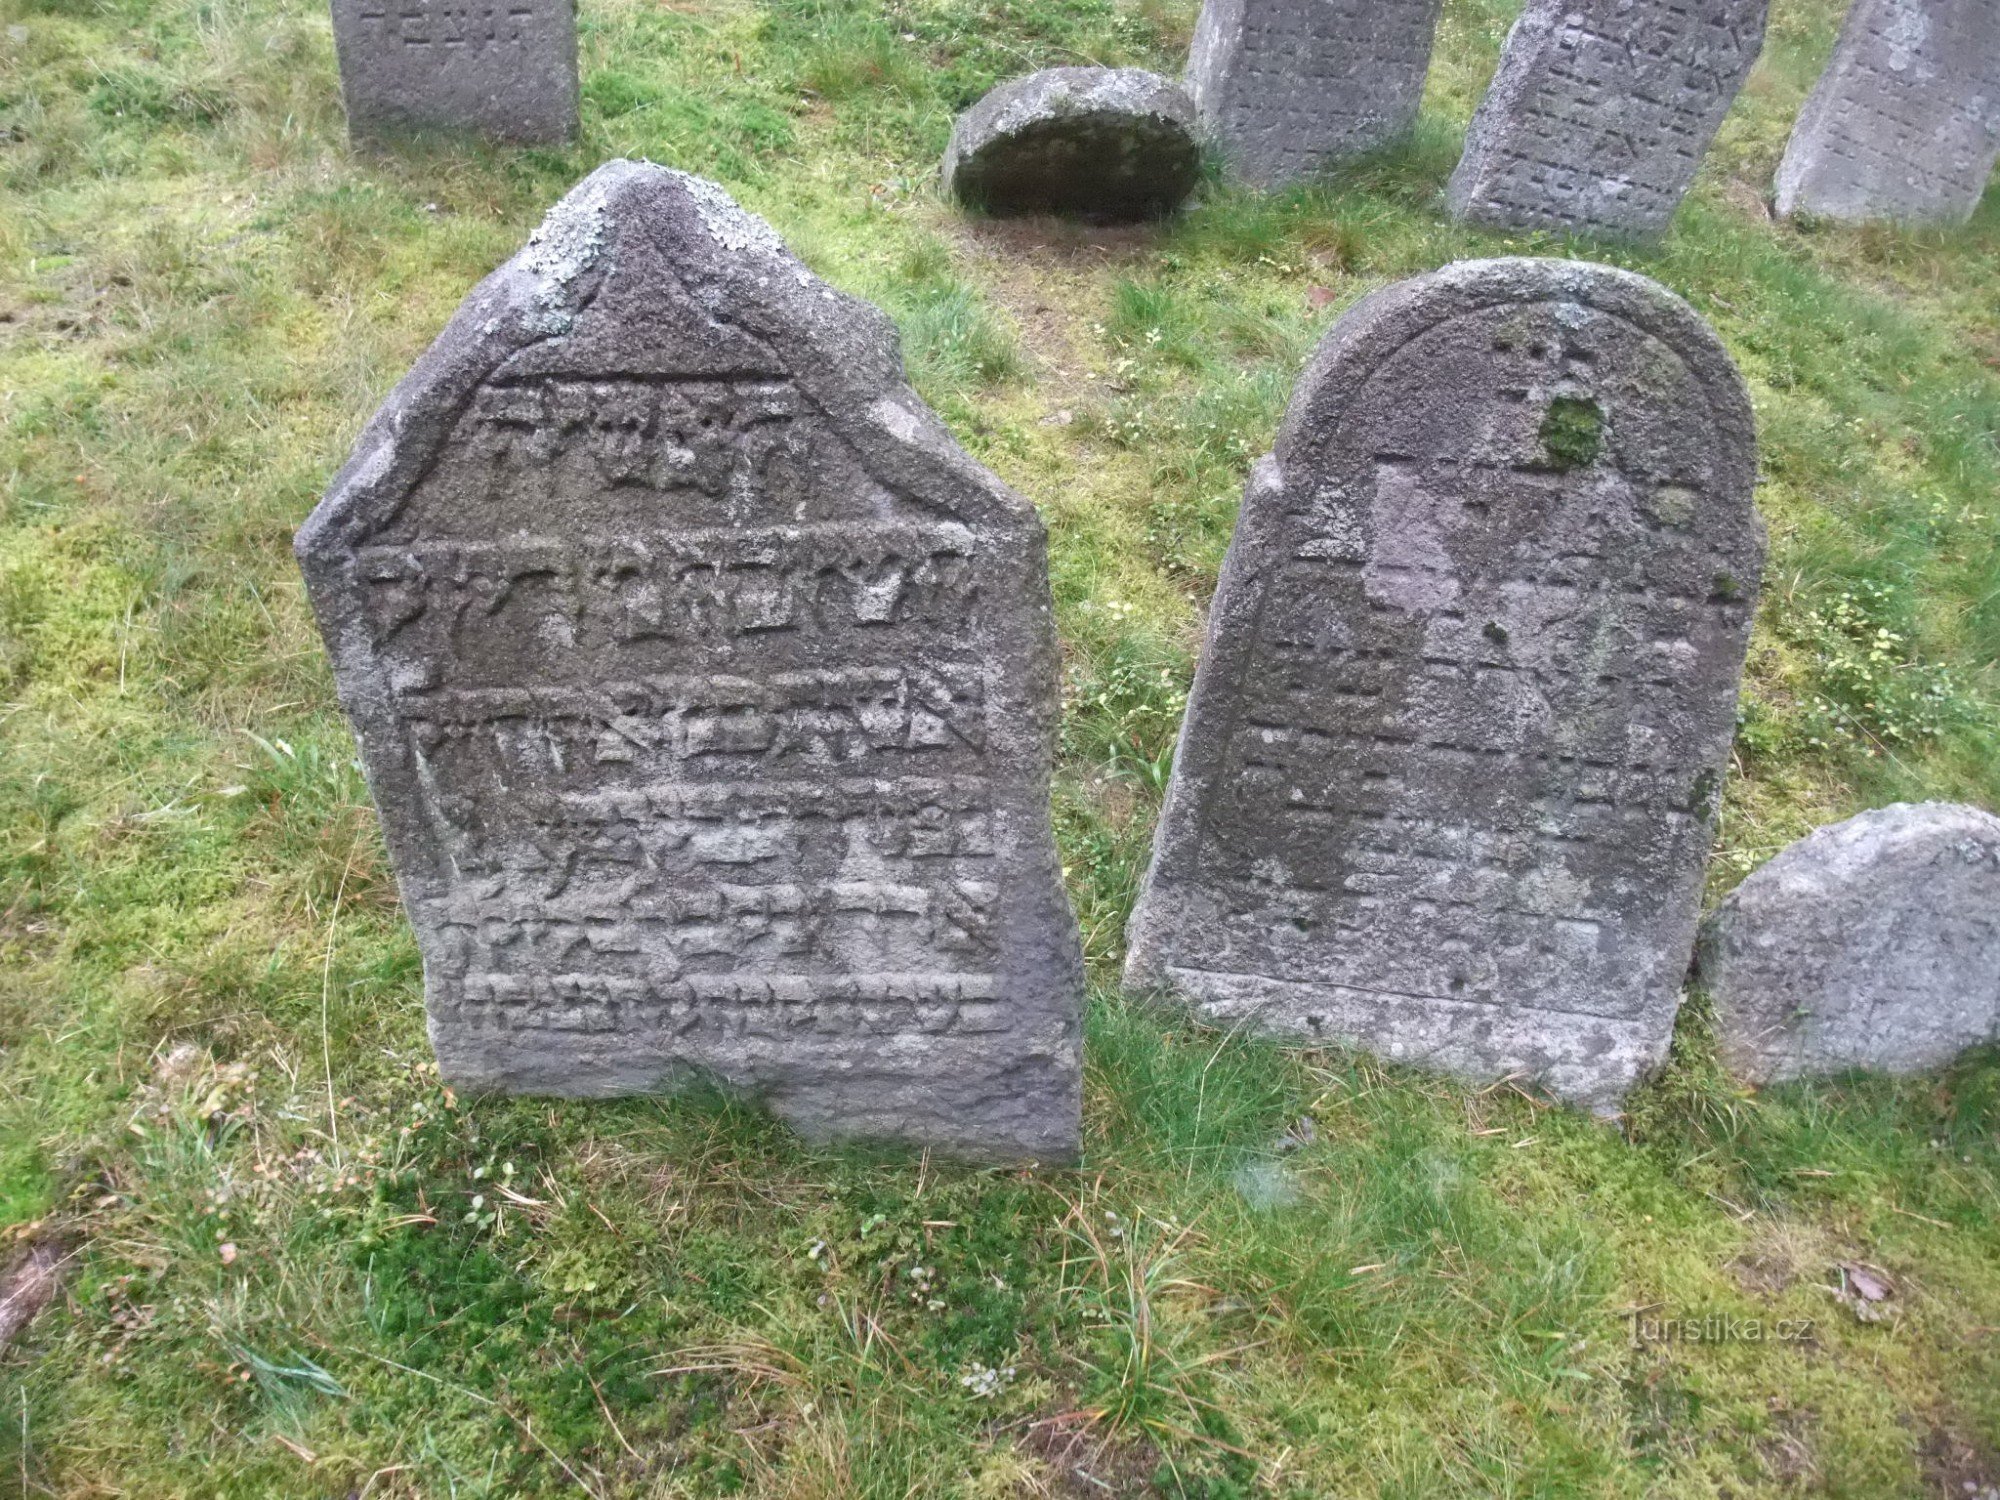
x,y
986,1383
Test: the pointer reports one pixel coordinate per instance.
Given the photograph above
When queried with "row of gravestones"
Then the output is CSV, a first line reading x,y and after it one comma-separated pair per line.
x,y
707,691
1596,122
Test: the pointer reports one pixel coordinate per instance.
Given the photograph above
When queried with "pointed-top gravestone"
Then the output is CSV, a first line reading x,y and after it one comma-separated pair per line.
x,y
706,689
1446,785
1905,123
1286,88
1602,111
501,68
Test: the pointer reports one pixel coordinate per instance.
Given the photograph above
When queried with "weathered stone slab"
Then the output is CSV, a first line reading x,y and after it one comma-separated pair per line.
x,y
503,68
1602,111
1873,943
1286,88
1447,780
1905,122
706,689
1098,143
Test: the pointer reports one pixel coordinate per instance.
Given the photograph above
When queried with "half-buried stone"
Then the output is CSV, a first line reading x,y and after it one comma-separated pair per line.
x,y
1873,943
1109,144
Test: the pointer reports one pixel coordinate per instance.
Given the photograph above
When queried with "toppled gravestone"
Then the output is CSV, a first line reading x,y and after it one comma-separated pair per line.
x,y
1905,122
1447,781
1287,88
1602,111
1110,144
1873,943
503,68
706,689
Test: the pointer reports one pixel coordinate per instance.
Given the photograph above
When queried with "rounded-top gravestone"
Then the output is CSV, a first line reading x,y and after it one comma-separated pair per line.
x,y
707,690
1873,943
1108,144
1447,781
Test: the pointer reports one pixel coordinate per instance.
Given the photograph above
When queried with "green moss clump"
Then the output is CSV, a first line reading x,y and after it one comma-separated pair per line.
x,y
1573,432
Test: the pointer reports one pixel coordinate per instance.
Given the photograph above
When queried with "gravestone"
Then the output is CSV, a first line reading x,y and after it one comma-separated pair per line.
x,y
707,690
1448,776
1286,88
503,68
1601,112
1112,144
1873,943
1905,122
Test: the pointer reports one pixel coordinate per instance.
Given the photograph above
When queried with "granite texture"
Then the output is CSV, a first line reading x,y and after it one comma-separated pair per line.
x,y
1904,125
1873,943
1601,113
1109,144
501,68
1447,781
707,691
1287,88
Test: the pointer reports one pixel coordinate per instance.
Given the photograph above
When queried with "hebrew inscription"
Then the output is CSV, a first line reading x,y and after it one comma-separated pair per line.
x,y
1905,122
1289,87
706,692
1602,111
1447,781
504,68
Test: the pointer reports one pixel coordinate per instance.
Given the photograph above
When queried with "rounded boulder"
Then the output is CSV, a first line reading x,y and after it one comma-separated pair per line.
x,y
1108,144
1873,943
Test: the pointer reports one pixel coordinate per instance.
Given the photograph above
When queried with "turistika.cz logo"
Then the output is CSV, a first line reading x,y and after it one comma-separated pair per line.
x,y
1718,1328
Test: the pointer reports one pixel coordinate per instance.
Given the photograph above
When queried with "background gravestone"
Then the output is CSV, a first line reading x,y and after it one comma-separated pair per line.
x,y
1446,785
504,68
1288,87
1873,943
1101,143
707,692
1905,122
1602,111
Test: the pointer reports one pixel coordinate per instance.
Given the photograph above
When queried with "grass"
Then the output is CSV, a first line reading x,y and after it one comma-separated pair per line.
x,y
304,1268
